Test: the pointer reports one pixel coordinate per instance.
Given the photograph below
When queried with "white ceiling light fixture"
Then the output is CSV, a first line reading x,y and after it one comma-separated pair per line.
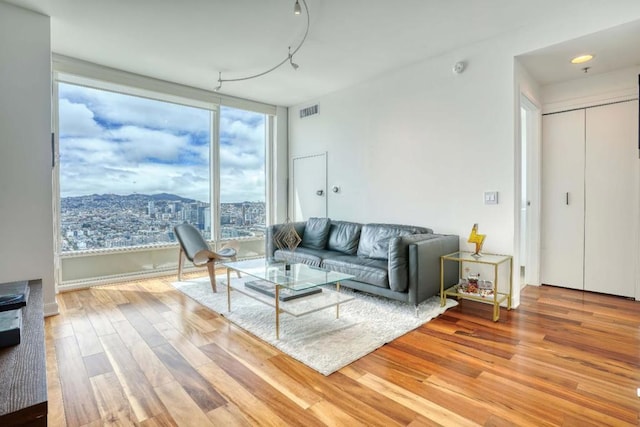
x,y
289,58
581,59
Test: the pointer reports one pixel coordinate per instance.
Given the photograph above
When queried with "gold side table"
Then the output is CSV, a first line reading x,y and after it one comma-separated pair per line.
x,y
490,259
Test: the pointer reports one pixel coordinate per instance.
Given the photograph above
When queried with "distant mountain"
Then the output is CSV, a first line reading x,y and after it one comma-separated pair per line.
x,y
132,197
172,197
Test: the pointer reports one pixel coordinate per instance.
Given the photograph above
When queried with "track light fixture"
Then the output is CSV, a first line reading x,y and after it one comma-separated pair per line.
x,y
293,64
297,10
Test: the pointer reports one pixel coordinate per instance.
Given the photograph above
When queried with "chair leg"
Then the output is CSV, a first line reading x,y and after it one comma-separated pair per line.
x,y
180,263
211,266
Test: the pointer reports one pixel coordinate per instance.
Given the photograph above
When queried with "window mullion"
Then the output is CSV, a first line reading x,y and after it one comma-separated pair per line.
x,y
214,171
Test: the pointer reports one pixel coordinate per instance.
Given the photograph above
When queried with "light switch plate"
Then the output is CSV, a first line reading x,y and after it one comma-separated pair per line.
x,y
490,197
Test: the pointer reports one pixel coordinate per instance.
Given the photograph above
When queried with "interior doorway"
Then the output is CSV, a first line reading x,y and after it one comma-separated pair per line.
x,y
529,202
309,187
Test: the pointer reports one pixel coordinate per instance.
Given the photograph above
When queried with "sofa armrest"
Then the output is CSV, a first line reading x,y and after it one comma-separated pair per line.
x,y
398,257
424,266
270,245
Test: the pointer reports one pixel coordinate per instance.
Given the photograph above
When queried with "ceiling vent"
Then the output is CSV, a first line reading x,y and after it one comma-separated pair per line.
x,y
308,111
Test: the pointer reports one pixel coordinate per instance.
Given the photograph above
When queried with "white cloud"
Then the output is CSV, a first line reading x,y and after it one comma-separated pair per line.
x,y
77,120
132,110
113,143
137,144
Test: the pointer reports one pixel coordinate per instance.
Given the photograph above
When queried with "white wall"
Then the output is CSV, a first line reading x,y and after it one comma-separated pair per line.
x,y
420,145
591,90
26,219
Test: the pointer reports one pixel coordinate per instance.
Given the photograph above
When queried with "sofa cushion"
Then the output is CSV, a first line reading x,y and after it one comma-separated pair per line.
x,y
344,237
374,238
312,257
364,269
316,232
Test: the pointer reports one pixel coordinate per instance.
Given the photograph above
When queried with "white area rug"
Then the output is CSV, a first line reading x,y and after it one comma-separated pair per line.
x,y
319,340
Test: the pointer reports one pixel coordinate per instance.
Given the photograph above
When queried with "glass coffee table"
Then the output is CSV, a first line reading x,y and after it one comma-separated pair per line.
x,y
297,290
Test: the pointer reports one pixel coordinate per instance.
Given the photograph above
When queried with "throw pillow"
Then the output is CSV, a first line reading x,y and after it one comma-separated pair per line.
x,y
380,249
316,232
344,237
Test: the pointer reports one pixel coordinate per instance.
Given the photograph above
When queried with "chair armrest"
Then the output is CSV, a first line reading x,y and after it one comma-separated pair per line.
x,y
204,256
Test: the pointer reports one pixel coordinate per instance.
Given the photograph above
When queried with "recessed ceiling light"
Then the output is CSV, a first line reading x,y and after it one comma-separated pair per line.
x,y
581,59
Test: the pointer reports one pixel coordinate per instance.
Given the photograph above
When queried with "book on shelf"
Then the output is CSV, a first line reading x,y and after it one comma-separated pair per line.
x,y
285,294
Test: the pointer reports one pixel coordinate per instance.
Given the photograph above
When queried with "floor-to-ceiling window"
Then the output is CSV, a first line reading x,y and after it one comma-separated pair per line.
x,y
242,173
131,169
132,164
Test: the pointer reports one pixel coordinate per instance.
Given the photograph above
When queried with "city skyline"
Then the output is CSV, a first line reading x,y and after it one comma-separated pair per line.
x,y
114,221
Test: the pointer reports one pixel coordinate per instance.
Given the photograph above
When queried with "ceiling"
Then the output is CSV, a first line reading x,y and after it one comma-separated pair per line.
x,y
190,41
613,49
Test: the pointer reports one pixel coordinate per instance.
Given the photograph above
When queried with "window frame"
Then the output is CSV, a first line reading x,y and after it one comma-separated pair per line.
x,y
81,73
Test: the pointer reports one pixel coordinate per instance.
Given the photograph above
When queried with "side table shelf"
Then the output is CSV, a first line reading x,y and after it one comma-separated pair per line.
x,y
496,298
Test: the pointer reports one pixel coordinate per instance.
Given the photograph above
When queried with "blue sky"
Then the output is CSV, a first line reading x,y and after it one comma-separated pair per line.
x,y
115,143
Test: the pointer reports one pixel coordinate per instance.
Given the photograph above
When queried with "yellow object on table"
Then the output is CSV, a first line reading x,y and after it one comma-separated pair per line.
x,y
476,238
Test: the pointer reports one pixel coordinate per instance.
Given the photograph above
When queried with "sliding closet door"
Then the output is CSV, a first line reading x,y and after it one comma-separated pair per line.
x,y
611,214
562,204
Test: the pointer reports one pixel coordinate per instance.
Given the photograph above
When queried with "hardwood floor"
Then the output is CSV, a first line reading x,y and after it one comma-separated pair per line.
x,y
141,353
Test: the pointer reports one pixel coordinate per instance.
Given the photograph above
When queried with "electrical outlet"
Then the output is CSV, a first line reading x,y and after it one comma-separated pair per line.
x,y
490,197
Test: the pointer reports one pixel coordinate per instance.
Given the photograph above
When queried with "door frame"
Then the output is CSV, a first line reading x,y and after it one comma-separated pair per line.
x,y
290,202
532,174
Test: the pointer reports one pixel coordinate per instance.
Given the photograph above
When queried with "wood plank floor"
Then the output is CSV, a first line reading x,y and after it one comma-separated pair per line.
x,y
141,353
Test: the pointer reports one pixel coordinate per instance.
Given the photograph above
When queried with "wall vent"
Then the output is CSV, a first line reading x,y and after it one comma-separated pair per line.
x,y
308,111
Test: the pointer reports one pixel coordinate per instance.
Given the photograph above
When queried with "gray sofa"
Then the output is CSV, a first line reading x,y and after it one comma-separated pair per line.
x,y
400,262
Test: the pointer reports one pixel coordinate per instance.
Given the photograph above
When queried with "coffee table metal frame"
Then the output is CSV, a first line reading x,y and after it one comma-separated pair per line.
x,y
297,277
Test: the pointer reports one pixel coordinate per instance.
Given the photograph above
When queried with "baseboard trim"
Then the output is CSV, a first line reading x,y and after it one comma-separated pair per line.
x,y
51,309
106,280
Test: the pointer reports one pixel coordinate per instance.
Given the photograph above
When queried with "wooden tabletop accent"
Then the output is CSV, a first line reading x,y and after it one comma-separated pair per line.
x,y
23,381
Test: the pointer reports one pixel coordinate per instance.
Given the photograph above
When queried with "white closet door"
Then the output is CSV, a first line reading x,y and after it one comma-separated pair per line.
x,y
562,204
611,215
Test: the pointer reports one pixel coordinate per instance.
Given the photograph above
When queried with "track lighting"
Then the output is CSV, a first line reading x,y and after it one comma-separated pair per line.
x,y
297,10
293,64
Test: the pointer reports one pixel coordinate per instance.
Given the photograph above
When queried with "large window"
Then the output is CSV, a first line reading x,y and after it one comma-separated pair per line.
x,y
131,168
242,173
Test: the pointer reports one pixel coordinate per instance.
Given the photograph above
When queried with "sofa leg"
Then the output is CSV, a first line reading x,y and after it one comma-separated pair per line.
x,y
417,308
